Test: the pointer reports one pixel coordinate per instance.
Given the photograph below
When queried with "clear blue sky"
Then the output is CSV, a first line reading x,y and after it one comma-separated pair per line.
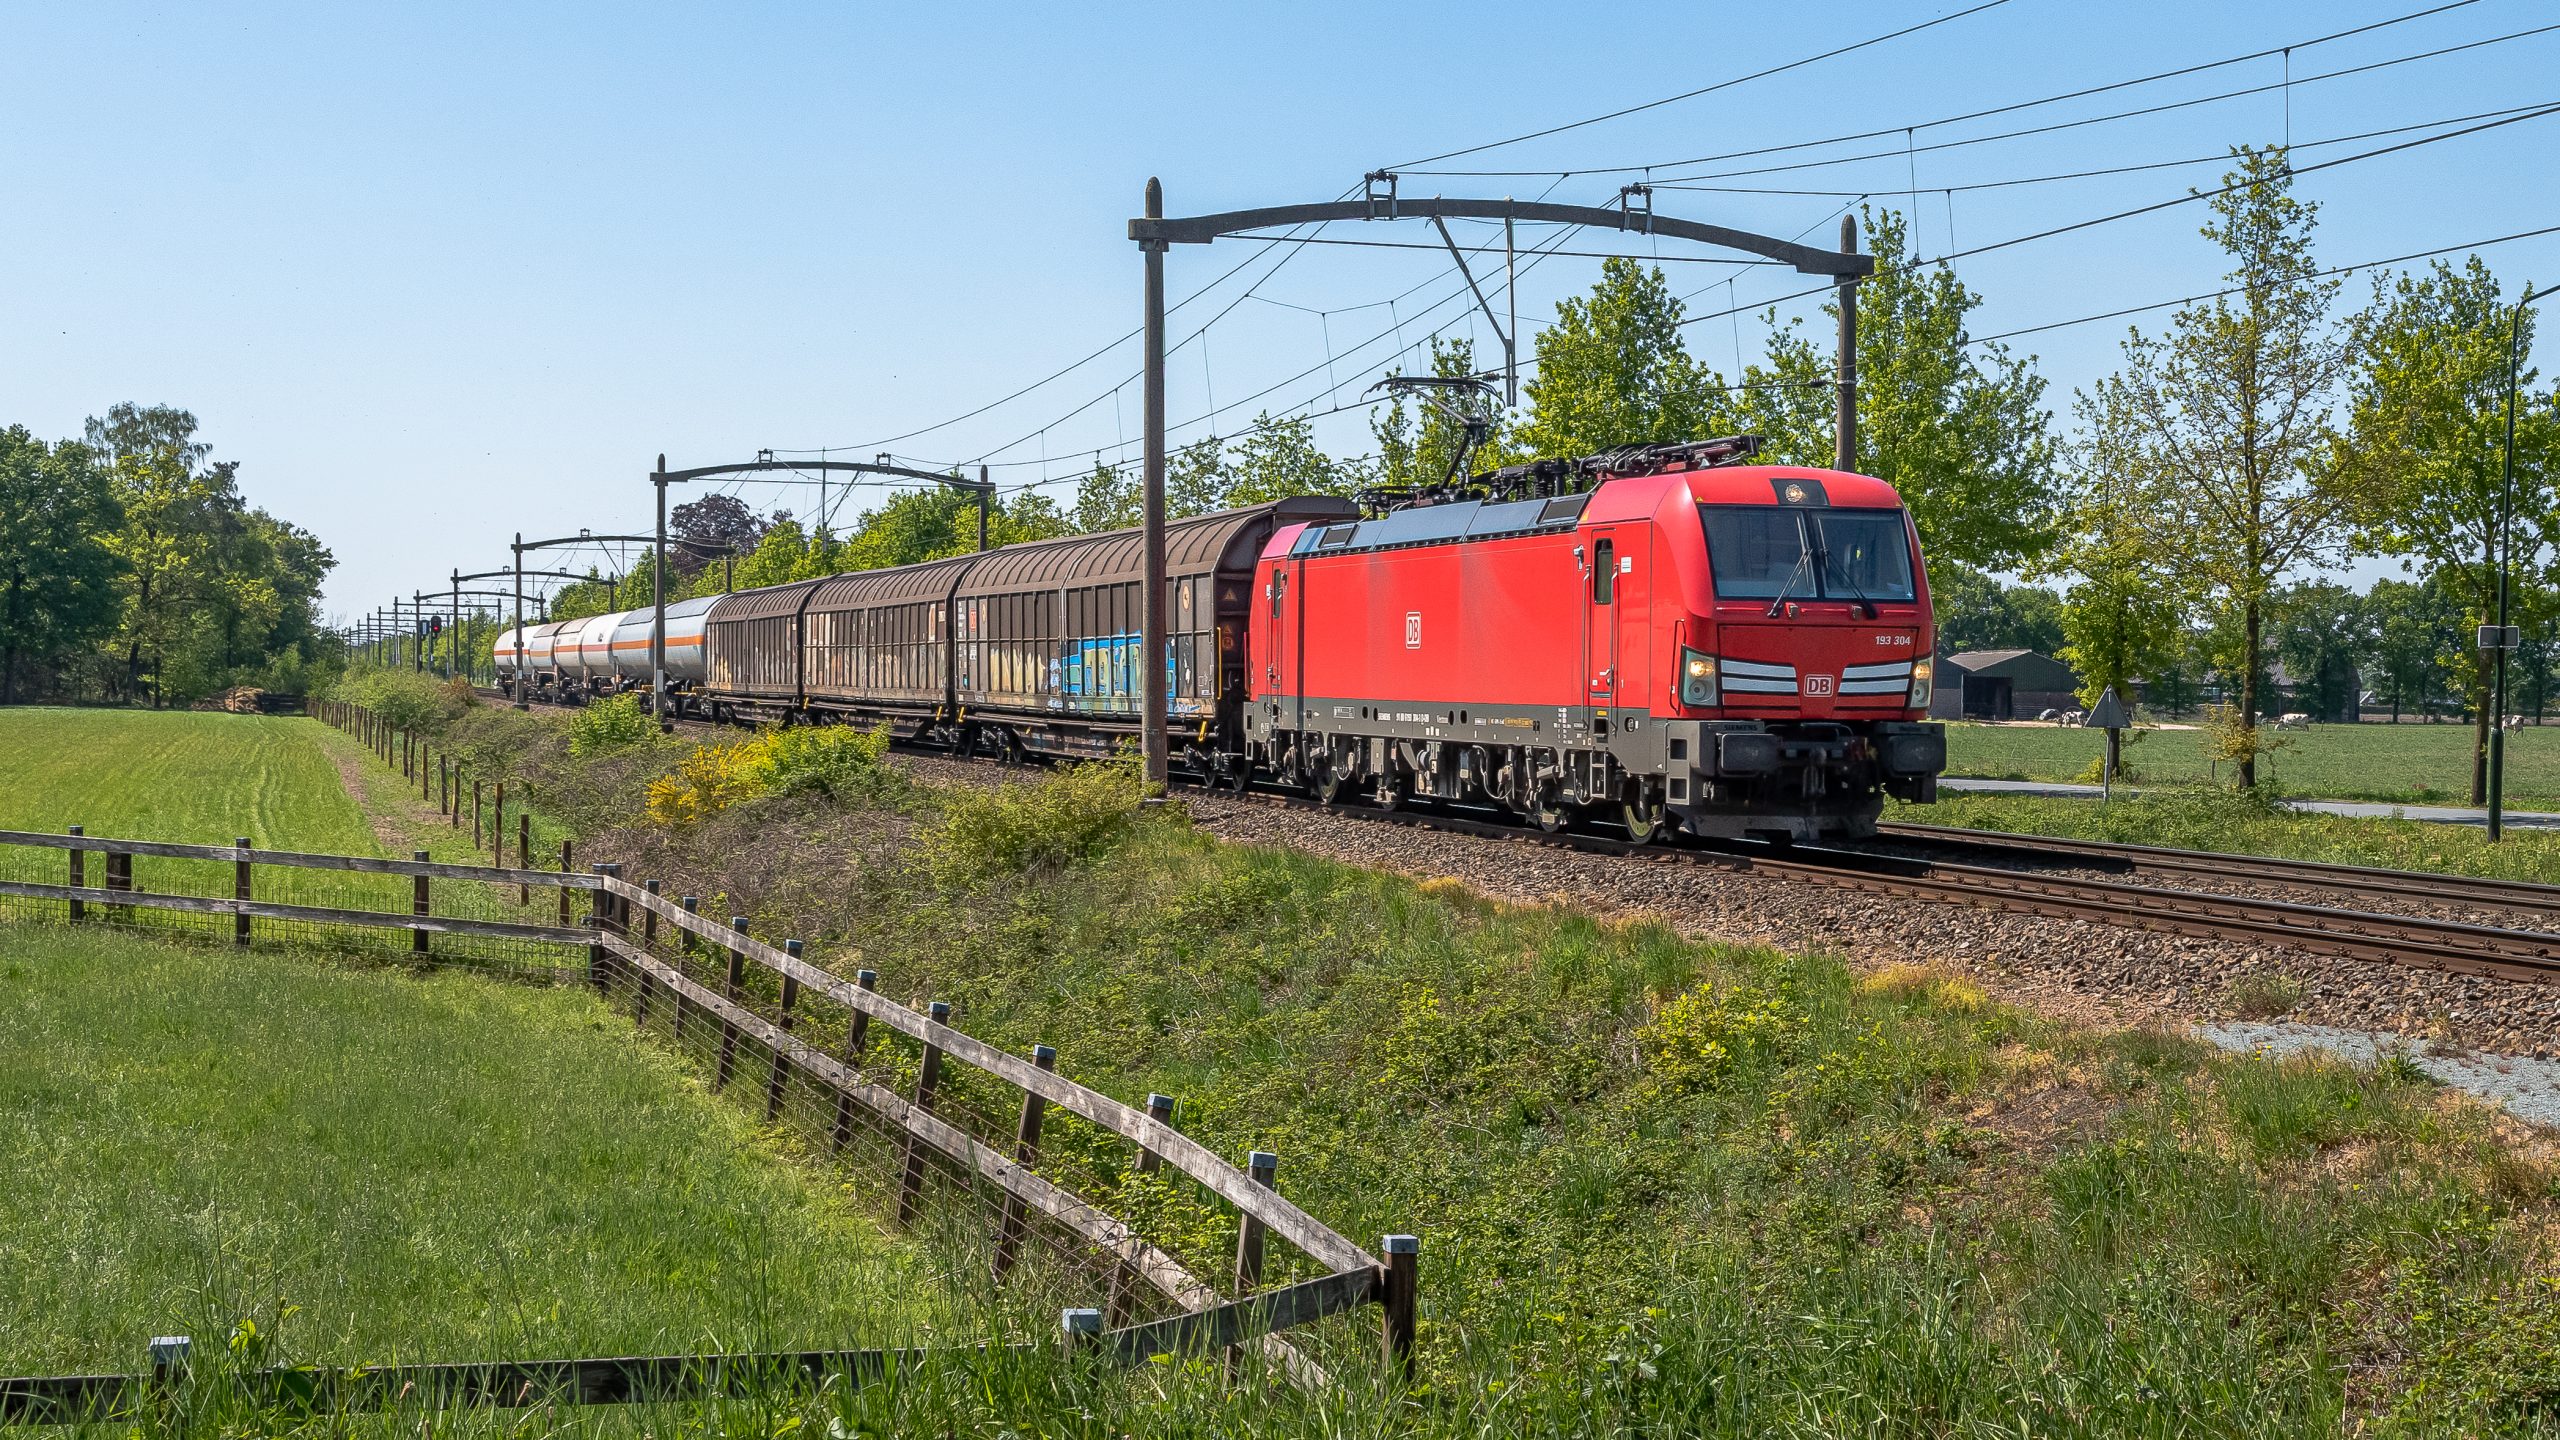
x,y
434,274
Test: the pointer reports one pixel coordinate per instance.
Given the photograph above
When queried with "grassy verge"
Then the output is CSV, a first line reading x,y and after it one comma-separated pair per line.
x,y
2404,764
2223,820
326,1164
1672,1188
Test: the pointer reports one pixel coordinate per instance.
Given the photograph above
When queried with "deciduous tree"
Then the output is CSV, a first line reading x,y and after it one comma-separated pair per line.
x,y
2430,415
58,573
2230,418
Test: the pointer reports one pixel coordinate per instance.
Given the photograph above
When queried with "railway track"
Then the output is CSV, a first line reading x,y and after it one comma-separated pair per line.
x,y
2453,946
2516,895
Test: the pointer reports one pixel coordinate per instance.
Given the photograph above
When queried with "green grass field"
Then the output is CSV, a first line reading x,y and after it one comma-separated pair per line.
x,y
197,779
364,1164
333,1163
2415,764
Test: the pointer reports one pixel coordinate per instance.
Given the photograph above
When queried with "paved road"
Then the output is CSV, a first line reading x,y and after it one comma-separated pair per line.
x,y
2360,809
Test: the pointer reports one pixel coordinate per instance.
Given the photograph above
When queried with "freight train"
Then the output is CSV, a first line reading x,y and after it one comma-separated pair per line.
x,y
1660,638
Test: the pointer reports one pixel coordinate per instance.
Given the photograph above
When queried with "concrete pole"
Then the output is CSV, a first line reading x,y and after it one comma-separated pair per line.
x,y
1151,646
519,549
1844,424
658,592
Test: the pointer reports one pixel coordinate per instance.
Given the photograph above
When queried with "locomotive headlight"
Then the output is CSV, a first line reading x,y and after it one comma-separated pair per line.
x,y
1920,684
1697,678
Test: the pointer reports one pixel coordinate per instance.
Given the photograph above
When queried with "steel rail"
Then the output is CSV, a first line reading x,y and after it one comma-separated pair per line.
x,y
2392,939
2311,874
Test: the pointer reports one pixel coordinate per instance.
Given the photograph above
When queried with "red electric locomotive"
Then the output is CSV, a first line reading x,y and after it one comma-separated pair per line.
x,y
1658,633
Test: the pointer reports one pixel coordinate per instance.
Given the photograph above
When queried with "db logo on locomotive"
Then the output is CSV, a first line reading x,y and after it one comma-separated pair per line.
x,y
1817,684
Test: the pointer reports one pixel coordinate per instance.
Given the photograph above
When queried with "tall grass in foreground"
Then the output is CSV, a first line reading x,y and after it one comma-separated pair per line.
x,y
322,1164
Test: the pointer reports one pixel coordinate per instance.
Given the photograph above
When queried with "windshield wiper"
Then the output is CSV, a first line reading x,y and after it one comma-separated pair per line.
x,y
1865,604
1804,557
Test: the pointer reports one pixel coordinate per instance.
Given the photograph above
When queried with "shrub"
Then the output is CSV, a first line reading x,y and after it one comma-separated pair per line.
x,y
1068,817
837,761
404,698
1695,1038
705,782
832,760
610,725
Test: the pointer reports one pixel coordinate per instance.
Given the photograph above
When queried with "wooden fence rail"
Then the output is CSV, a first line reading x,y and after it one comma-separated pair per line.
x,y
1207,1319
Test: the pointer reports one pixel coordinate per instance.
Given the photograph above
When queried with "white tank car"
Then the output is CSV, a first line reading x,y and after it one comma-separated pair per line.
x,y
584,651
684,642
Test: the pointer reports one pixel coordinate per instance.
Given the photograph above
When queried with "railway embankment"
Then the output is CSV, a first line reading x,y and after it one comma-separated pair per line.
x,y
1676,1160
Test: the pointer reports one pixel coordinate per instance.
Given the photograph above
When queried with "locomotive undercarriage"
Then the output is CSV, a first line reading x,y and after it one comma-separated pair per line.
x,y
1784,783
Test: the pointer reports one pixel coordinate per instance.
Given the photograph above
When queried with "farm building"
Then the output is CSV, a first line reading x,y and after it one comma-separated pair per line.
x,y
2001,685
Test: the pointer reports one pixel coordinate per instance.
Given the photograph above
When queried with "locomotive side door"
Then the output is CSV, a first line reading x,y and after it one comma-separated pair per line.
x,y
1600,602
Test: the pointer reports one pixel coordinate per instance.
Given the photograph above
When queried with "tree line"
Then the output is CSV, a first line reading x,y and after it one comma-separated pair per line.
x,y
134,570
2176,529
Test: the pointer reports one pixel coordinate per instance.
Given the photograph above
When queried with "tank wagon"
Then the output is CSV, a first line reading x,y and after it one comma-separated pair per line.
x,y
1657,636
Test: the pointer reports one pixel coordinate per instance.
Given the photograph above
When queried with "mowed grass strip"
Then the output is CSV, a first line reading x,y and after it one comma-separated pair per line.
x,y
348,1165
2412,763
196,779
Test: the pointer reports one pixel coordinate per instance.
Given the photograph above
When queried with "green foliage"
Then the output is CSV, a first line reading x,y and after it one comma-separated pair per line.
x,y
2259,994
404,699
1612,370
1976,612
1958,427
2225,426
1705,1033
619,722
837,761
58,573
213,590
1062,820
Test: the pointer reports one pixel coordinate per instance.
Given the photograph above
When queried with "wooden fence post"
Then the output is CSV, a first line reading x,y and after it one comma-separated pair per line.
x,y
498,827
1120,1303
675,998
420,905
649,916
426,775
729,988
119,881
524,855
79,874
444,783
617,922
773,1086
857,1034
566,864
1396,1301
240,890
1263,1168
1026,1153
928,1079
475,815
643,982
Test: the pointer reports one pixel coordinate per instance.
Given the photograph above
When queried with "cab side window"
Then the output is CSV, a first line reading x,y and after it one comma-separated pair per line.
x,y
1604,572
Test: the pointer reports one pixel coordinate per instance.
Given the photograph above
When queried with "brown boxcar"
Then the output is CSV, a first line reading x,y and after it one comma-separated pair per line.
x,y
1045,650
877,642
755,650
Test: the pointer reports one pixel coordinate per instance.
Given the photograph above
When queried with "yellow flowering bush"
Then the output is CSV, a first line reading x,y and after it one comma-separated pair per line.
x,y
832,760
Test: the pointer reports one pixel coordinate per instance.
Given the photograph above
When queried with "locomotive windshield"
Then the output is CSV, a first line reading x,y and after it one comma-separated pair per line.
x,y
1760,552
